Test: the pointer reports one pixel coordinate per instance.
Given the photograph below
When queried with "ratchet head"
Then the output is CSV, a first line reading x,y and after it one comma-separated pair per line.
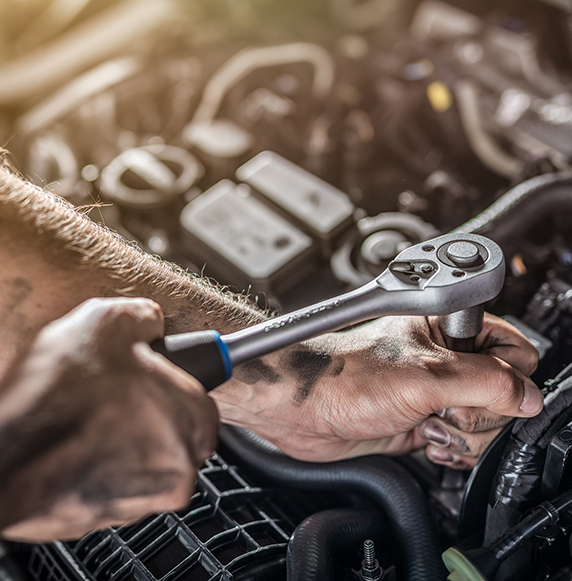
x,y
458,273
454,272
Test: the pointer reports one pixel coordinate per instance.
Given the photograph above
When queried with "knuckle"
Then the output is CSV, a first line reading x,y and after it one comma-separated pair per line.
x,y
472,420
463,419
94,303
441,364
94,307
469,447
461,445
505,386
532,359
148,307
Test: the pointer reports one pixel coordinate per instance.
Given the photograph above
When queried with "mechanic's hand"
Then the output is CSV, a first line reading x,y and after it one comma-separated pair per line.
x,y
388,387
95,428
459,435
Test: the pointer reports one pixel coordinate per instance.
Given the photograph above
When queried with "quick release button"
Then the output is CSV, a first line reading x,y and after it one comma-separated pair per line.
x,y
464,254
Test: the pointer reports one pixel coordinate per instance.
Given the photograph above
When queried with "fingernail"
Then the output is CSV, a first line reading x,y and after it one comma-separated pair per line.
x,y
533,399
435,434
441,413
441,455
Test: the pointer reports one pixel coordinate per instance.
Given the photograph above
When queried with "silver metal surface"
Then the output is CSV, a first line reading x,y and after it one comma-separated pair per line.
x,y
461,328
463,324
406,287
463,253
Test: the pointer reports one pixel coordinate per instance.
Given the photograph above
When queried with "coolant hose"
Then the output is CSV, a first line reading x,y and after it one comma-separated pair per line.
x,y
518,210
377,477
323,535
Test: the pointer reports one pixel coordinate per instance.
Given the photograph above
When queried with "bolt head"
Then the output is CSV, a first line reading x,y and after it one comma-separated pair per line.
x,y
464,254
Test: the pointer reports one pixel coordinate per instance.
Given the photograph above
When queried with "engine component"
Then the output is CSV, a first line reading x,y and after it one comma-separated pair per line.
x,y
483,564
243,242
222,137
249,60
150,176
320,209
72,95
370,568
232,529
519,479
219,138
325,537
505,95
378,478
52,158
550,313
91,42
376,242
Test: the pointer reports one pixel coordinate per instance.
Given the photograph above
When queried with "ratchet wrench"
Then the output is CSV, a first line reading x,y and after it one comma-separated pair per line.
x,y
451,276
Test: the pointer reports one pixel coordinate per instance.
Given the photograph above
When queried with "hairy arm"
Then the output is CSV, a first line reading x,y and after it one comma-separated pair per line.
x,y
54,257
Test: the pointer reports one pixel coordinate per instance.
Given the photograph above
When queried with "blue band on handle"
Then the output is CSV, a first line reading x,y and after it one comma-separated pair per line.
x,y
224,354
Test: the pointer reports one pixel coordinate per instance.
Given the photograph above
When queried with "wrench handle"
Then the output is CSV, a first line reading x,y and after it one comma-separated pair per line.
x,y
202,354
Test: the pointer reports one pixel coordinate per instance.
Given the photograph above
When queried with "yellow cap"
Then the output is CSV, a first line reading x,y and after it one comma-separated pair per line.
x,y
460,568
439,96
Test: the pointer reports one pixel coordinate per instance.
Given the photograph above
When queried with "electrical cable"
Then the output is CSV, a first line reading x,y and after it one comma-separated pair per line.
x,y
481,564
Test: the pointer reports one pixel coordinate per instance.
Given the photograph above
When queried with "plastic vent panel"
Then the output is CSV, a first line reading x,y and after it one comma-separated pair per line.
x,y
232,529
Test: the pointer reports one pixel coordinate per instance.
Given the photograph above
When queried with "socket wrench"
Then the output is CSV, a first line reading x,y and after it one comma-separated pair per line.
x,y
450,276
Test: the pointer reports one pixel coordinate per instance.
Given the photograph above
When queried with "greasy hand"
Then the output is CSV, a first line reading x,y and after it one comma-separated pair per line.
x,y
387,387
95,428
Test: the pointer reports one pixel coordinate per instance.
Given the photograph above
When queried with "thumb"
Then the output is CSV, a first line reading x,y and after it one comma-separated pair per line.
x,y
490,383
123,320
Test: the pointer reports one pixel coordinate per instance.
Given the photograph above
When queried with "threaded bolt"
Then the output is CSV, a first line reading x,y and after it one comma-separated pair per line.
x,y
370,569
369,554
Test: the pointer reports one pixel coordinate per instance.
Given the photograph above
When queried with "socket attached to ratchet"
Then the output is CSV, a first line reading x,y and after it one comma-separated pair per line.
x,y
451,276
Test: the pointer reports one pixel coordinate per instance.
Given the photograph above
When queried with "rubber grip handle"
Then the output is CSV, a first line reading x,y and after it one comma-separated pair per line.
x,y
202,354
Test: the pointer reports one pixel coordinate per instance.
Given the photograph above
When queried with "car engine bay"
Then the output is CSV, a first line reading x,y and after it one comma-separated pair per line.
x,y
291,150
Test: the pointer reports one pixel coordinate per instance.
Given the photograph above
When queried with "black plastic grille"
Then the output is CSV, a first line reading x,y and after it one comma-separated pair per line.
x,y
229,527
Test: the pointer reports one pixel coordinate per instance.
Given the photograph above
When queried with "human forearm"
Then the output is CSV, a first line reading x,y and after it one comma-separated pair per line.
x,y
54,257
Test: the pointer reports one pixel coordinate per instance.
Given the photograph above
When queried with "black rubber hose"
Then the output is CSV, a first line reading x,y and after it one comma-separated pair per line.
x,y
326,534
546,514
488,560
377,477
522,207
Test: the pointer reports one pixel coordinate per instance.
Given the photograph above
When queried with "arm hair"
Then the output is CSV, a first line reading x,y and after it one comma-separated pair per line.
x,y
37,222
